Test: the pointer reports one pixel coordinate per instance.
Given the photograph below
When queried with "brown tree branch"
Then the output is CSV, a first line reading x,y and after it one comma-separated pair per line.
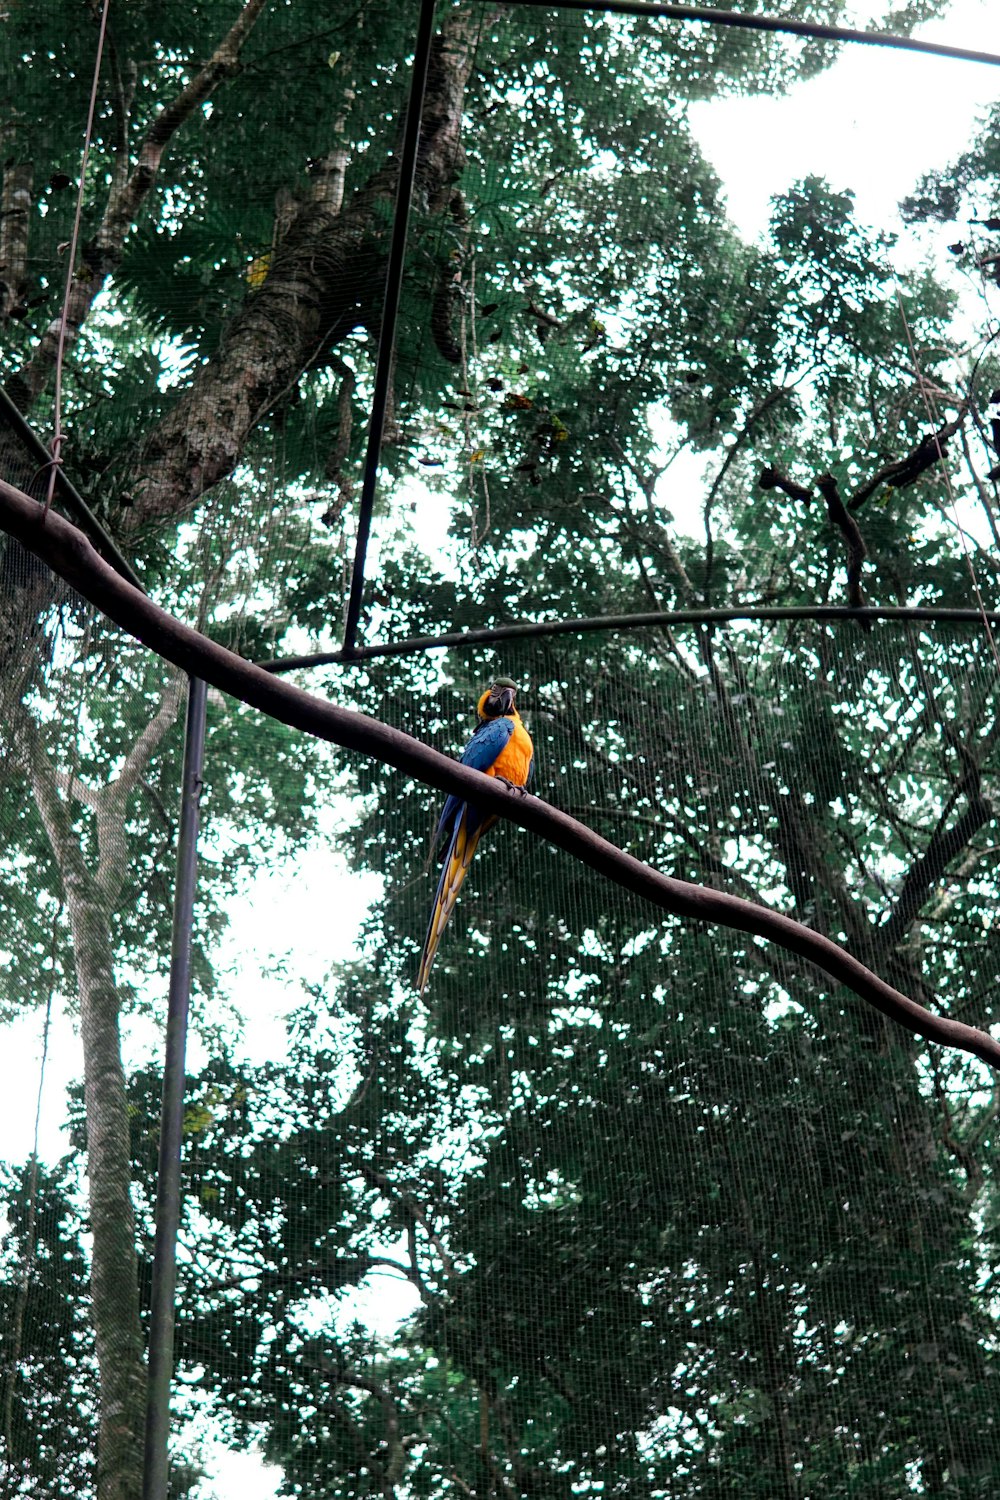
x,y
386,1473
108,803
948,840
147,740
70,554
774,479
944,845
905,471
414,1214
366,1458
853,540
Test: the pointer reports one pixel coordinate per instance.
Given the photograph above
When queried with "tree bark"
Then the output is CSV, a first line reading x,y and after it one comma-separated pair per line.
x,y
15,214
326,277
114,1262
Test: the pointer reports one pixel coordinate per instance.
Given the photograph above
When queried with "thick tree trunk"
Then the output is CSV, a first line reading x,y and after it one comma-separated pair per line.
x,y
15,216
326,278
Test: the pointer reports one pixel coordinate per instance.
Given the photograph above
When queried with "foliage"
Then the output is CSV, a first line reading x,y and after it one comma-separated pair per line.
x,y
47,1342
666,1212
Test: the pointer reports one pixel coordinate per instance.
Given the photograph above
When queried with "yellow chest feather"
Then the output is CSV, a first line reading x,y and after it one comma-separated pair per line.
x,y
514,761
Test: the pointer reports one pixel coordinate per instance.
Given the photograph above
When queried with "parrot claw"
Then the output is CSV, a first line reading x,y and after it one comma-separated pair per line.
x,y
512,786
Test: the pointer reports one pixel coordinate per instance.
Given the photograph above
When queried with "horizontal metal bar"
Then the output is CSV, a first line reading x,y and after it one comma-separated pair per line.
x,y
489,635
737,19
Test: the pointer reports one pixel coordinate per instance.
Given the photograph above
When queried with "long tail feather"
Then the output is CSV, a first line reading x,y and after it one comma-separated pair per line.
x,y
468,831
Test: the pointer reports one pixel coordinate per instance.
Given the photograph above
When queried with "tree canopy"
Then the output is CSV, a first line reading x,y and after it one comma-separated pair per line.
x,y
653,1209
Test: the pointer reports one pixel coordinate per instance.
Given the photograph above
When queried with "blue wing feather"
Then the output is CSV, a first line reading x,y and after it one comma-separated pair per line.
x,y
463,823
480,753
487,742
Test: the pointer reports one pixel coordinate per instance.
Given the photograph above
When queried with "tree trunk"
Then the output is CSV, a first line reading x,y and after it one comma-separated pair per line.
x,y
327,277
114,1266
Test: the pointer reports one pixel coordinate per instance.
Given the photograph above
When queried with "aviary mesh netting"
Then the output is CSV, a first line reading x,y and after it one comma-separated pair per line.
x,y
624,1204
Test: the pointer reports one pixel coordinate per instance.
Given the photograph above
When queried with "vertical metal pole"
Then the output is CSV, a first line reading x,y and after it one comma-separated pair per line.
x,y
390,313
155,1477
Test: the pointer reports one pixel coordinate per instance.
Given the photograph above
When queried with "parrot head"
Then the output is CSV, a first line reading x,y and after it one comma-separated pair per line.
x,y
499,701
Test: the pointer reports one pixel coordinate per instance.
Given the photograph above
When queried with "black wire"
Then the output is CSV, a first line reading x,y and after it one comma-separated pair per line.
x,y
73,500
737,19
488,635
390,309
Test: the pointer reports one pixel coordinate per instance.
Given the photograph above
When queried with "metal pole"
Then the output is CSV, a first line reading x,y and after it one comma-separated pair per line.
x,y
155,1477
390,311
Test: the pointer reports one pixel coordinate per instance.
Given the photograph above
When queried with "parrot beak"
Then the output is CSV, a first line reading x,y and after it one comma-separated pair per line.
x,y
501,700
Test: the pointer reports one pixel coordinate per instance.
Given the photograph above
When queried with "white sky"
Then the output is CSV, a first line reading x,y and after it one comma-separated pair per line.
x,y
872,123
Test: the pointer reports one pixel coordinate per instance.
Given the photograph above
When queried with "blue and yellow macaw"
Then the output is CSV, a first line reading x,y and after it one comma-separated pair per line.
x,y
500,746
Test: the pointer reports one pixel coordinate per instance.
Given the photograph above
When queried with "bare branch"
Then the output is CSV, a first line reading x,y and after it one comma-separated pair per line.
x,y
397,1453
853,540
905,471
108,802
413,1212
340,1414
145,746
945,844
774,479
72,556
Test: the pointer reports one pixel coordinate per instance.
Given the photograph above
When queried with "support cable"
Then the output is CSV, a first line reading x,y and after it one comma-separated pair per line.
x,y
58,436
816,30
156,1467
74,502
390,313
